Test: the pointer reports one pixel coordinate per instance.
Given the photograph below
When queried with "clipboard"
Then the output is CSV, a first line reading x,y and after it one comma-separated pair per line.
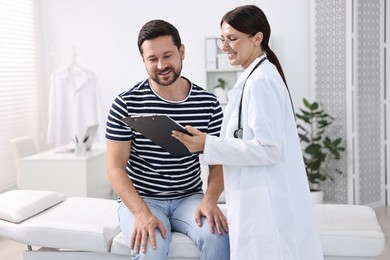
x,y
158,128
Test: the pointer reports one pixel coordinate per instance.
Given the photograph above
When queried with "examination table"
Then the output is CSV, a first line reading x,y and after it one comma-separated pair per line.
x,y
81,228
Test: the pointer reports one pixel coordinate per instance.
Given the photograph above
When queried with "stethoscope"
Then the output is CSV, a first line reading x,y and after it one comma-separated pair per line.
x,y
238,133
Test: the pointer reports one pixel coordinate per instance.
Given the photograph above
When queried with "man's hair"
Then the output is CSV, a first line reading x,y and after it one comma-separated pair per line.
x,y
157,28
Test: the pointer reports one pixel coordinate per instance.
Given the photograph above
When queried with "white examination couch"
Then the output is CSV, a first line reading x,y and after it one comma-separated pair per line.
x,y
82,228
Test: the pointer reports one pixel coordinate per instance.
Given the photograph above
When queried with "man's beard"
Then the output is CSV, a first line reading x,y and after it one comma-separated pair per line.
x,y
156,77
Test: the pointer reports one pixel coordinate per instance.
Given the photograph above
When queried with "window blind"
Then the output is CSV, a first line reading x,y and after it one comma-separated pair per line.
x,y
19,99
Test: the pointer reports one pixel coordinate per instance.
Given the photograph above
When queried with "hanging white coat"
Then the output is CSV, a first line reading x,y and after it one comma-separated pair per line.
x,y
269,208
74,105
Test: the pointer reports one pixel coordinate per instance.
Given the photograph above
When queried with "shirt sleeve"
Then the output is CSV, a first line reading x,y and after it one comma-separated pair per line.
x,y
214,127
116,130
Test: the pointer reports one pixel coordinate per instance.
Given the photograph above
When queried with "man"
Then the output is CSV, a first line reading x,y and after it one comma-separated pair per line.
x,y
158,192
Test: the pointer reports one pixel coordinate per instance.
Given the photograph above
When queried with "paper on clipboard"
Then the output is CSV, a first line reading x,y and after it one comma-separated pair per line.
x,y
158,128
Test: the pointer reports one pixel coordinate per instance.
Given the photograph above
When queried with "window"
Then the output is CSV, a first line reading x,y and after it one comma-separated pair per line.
x,y
19,99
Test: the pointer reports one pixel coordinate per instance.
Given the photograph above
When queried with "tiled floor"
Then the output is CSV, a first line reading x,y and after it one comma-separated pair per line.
x,y
10,250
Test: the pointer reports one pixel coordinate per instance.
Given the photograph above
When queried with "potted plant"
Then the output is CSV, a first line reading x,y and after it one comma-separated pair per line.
x,y
319,149
220,90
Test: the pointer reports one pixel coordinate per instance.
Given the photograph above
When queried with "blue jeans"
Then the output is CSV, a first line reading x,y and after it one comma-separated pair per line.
x,y
177,215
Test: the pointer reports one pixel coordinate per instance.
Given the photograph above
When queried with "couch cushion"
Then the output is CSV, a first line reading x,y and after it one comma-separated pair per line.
x,y
18,205
87,224
349,230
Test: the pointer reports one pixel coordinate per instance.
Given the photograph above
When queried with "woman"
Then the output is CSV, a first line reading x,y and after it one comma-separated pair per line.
x,y
269,207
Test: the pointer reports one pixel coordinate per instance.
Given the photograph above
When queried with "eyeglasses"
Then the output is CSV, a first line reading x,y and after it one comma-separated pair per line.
x,y
230,43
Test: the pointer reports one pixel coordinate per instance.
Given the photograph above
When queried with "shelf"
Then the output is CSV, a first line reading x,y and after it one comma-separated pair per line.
x,y
218,66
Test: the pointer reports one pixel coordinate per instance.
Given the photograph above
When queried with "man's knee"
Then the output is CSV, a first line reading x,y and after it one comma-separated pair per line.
x,y
161,251
216,241
215,246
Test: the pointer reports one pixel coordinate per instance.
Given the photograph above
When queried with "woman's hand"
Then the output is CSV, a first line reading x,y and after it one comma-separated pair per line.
x,y
194,143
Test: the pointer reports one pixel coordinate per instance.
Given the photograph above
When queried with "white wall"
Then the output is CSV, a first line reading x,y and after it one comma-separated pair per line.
x,y
104,33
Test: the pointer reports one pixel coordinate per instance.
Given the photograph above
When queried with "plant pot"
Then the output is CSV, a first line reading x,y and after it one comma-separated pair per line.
x,y
317,196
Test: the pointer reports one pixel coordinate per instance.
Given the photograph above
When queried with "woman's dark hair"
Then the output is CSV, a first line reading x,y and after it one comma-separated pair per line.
x,y
250,19
156,28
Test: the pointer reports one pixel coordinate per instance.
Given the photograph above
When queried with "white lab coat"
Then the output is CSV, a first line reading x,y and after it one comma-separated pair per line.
x,y
269,208
74,104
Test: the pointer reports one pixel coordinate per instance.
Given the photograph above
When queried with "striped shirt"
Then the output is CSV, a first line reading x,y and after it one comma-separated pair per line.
x,y
154,172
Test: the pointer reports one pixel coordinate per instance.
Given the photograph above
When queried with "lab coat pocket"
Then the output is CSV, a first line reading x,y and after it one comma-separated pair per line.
x,y
252,212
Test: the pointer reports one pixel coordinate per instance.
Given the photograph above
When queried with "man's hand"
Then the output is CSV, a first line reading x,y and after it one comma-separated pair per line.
x,y
214,216
144,229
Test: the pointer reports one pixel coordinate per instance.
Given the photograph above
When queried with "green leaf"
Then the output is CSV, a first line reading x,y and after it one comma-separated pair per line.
x,y
323,123
337,141
316,139
318,148
303,138
304,118
306,103
320,132
314,106
313,148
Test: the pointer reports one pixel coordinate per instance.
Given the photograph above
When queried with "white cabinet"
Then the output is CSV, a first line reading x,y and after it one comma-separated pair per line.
x,y
218,67
68,173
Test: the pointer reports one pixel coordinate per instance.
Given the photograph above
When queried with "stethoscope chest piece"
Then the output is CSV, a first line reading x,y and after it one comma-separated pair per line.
x,y
238,133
